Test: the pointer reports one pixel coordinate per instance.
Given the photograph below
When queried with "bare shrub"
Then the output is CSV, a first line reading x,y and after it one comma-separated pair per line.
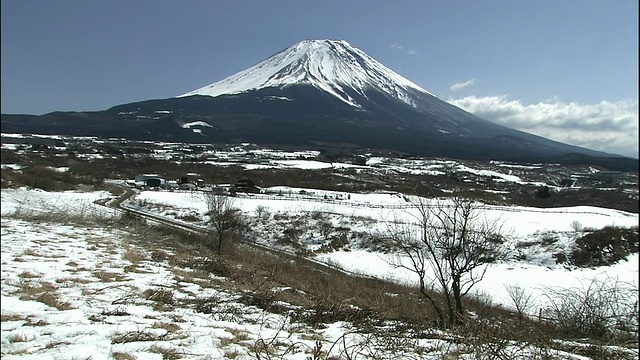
x,y
223,216
576,226
605,247
522,300
206,305
262,212
48,179
118,311
159,255
604,309
448,248
191,217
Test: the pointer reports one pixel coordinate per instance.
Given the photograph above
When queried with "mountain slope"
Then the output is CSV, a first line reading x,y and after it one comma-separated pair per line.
x,y
349,74
322,94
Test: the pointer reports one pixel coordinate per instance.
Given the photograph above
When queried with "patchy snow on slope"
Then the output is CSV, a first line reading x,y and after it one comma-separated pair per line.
x,y
195,123
73,203
95,289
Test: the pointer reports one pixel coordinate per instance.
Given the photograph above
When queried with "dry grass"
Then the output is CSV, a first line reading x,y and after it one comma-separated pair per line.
x,y
74,280
12,317
232,354
43,292
159,255
163,299
122,356
132,254
167,353
108,276
84,216
238,336
31,252
55,344
256,275
18,337
28,275
168,326
31,322
134,336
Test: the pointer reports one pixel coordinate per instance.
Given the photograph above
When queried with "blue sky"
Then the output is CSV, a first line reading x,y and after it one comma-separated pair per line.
x,y
567,70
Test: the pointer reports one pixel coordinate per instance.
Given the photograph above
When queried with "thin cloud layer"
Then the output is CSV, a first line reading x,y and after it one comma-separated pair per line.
x,y
399,47
606,126
458,86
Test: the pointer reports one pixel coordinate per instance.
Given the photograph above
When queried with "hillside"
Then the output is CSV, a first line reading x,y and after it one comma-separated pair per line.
x,y
141,291
308,271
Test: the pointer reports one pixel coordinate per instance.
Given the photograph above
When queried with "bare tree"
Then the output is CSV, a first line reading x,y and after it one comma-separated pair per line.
x,y
448,246
522,300
223,215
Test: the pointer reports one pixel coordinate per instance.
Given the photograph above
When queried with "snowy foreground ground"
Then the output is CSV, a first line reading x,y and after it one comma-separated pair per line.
x,y
76,292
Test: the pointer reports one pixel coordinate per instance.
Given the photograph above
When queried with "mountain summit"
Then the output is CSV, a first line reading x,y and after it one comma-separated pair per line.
x,y
320,94
334,66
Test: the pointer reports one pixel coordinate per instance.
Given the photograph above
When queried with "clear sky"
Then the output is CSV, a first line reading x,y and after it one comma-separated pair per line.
x,y
566,70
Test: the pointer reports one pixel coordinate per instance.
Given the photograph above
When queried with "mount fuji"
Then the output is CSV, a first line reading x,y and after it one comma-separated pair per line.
x,y
335,67
323,94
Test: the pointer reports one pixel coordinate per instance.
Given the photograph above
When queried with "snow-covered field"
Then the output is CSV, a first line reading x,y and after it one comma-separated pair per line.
x,y
86,292
77,291
524,228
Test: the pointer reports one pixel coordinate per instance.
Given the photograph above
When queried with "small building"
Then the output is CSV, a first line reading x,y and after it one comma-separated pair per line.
x,y
245,185
149,180
154,182
193,179
144,177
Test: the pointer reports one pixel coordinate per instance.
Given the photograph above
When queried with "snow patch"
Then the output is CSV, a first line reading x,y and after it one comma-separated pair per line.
x,y
195,123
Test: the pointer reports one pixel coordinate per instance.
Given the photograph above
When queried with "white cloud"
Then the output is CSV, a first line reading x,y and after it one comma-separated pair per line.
x,y
397,46
458,86
606,126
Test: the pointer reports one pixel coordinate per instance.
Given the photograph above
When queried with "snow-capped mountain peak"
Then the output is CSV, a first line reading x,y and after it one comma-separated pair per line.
x,y
334,66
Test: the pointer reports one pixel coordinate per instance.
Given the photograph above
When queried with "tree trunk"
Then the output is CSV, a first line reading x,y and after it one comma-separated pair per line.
x,y
220,234
457,295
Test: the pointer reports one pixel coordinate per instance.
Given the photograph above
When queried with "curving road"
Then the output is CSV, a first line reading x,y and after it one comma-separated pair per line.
x,y
120,204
